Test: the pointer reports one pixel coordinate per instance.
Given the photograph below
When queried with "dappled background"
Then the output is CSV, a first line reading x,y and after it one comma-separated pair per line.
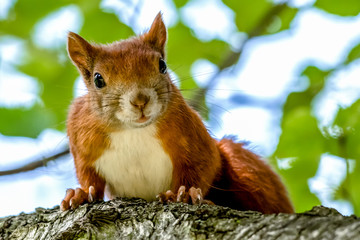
x,y
282,75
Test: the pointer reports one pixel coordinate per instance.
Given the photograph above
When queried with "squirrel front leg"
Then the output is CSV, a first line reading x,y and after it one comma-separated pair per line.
x,y
191,183
187,188
195,157
92,188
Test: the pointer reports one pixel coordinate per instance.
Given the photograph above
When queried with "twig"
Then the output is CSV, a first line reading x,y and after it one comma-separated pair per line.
x,y
233,56
35,164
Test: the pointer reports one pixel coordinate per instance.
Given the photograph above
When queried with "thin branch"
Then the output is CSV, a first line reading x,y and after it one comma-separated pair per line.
x,y
35,163
233,56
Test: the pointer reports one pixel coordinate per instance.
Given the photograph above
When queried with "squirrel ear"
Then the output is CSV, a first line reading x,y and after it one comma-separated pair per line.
x,y
156,36
81,53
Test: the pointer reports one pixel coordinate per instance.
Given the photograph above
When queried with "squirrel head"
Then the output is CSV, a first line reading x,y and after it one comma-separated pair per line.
x,y
127,81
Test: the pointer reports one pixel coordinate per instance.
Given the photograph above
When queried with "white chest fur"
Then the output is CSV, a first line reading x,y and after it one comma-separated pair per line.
x,y
135,165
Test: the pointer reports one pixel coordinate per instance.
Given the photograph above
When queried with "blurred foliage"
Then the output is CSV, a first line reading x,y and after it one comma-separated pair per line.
x,y
303,140
341,8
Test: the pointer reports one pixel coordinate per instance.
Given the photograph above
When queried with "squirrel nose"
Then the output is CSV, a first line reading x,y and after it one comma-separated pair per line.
x,y
140,101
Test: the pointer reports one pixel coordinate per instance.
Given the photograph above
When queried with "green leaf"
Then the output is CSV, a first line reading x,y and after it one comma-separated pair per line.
x,y
302,141
25,122
250,16
349,189
248,13
103,27
353,54
180,3
184,52
300,131
282,20
348,118
40,63
354,188
296,100
184,49
297,185
342,8
54,76
26,14
349,121
57,95
316,79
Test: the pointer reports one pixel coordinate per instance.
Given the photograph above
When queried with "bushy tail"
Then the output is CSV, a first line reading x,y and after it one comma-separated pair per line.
x,y
247,182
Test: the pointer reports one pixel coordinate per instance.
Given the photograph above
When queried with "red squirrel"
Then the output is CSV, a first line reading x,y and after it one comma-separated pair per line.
x,y
133,135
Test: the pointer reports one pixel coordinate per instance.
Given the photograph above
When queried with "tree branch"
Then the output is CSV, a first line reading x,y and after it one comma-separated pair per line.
x,y
234,56
33,164
138,219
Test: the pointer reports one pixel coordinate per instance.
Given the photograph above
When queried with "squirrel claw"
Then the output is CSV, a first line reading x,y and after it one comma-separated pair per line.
x,y
91,195
195,194
166,197
65,204
74,198
182,195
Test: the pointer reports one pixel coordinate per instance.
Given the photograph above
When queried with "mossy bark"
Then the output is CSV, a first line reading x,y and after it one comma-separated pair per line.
x,y
138,219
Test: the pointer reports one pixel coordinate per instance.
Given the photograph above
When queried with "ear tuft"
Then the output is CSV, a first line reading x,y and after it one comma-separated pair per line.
x,y
81,53
157,35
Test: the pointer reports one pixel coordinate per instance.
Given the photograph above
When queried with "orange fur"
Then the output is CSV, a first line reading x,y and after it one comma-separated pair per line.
x,y
226,173
88,141
195,157
248,183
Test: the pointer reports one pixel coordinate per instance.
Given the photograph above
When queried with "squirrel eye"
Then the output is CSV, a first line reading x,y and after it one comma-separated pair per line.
x,y
99,80
162,66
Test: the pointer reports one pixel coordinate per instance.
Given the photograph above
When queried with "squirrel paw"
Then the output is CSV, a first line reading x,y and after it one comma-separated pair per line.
x,y
195,194
74,198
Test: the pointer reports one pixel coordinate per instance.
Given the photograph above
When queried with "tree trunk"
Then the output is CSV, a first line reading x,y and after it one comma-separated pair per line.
x,y
138,219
